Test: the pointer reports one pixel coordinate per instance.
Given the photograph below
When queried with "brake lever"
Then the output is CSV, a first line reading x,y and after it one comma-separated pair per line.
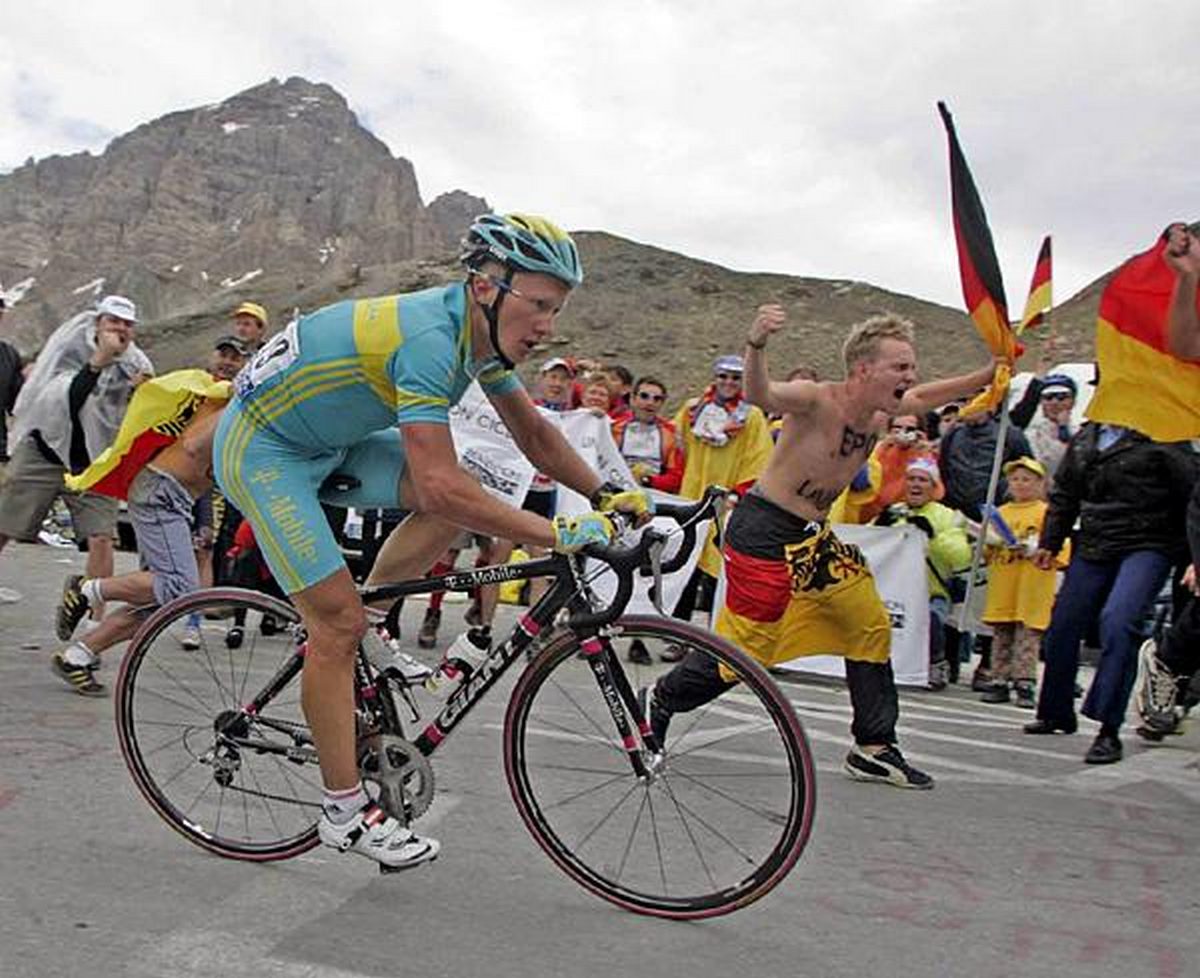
x,y
655,555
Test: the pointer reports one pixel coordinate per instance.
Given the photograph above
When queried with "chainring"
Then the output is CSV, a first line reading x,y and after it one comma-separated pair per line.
x,y
400,771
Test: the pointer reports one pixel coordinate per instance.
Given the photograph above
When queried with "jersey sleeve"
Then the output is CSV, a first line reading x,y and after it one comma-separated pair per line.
x,y
422,370
497,381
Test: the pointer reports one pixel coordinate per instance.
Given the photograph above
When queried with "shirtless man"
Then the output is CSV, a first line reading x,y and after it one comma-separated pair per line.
x,y
161,498
793,588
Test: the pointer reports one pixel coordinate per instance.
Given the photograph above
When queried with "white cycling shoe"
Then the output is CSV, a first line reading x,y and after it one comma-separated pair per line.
x,y
375,834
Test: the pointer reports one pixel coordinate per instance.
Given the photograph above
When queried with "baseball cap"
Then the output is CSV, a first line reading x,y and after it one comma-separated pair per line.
x,y
730,363
1025,462
925,465
234,342
251,309
557,363
118,307
1059,382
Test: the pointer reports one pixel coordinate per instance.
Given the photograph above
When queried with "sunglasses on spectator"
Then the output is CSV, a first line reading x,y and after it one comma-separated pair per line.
x,y
1057,396
647,396
725,376
904,427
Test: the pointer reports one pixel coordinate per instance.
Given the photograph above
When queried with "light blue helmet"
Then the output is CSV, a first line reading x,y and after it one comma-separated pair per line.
x,y
523,242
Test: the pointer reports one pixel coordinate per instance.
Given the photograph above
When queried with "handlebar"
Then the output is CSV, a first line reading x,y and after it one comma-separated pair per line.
x,y
625,560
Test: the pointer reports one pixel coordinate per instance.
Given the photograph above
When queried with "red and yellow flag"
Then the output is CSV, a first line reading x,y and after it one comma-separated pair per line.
x,y
1142,384
982,284
1040,299
159,410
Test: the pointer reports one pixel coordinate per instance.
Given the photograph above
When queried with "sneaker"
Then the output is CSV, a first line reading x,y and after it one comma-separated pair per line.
x,y
1157,689
1026,694
427,636
71,609
672,653
82,679
234,637
995,693
658,715
886,767
638,653
375,834
190,639
938,675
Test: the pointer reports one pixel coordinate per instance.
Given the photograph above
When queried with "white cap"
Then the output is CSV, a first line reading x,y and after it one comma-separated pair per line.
x,y
117,306
557,363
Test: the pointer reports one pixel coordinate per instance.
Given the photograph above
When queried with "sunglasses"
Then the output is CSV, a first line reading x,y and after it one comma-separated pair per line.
x,y
647,396
1057,396
728,376
903,427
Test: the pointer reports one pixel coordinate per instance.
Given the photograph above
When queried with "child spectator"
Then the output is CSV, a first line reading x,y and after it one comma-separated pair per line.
x,y
1019,594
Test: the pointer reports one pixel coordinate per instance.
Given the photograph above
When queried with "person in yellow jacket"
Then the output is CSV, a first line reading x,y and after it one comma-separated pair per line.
x,y
947,550
1020,595
726,441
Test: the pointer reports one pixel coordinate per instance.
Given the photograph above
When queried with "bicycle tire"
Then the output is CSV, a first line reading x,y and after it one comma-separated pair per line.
x,y
744,756
169,702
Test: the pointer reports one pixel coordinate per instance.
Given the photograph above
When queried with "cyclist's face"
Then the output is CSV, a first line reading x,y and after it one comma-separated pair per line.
x,y
528,313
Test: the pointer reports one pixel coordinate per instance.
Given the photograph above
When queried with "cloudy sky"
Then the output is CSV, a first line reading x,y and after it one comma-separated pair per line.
x,y
798,137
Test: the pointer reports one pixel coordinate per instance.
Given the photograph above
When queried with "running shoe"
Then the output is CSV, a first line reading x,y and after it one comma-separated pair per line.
x,y
1157,689
190,640
375,834
886,767
82,679
71,609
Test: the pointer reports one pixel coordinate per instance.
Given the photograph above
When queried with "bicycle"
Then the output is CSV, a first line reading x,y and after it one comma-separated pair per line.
x,y
698,826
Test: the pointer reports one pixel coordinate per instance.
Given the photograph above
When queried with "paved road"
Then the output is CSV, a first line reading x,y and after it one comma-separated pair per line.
x,y
1023,861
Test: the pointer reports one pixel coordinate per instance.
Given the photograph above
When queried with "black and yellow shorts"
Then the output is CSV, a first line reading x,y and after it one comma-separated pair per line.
x,y
792,588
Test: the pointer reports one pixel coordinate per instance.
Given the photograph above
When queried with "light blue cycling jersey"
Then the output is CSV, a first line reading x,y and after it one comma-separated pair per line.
x,y
336,375
323,398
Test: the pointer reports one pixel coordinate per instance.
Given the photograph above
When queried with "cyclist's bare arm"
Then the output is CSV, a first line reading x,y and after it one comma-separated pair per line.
x,y
544,445
433,483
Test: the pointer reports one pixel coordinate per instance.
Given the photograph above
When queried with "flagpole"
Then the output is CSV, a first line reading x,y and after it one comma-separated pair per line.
x,y
985,518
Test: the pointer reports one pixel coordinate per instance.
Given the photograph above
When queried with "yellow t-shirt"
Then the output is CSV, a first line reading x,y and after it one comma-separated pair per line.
x,y
1017,591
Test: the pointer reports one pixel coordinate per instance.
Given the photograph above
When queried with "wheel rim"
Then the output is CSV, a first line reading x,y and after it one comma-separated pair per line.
x,y
189,744
718,824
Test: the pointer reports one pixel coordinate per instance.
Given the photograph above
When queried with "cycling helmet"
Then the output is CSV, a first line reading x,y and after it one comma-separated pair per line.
x,y
523,242
520,242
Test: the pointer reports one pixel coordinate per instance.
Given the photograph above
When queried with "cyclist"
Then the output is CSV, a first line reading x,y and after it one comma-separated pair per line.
x,y
349,405
793,588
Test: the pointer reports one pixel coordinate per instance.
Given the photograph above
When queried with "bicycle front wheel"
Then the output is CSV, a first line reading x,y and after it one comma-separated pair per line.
x,y
720,817
237,779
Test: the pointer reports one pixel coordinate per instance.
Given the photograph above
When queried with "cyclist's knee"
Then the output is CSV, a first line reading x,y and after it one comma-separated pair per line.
x,y
339,632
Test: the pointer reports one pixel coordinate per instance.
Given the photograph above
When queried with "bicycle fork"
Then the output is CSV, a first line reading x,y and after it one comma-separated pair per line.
x,y
622,705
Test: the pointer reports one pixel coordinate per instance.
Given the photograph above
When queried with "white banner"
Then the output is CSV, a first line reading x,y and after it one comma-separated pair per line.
x,y
896,556
488,452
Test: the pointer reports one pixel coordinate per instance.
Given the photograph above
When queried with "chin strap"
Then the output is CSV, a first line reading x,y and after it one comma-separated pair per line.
x,y
492,315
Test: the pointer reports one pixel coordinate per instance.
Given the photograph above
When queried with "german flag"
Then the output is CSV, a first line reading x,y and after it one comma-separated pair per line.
x,y
982,284
159,410
1142,385
1039,301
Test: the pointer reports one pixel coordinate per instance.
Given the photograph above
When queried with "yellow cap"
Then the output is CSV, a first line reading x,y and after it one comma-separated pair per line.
x,y
251,309
1025,462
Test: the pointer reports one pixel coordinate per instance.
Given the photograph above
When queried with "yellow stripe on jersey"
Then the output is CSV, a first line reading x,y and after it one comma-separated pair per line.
x,y
376,336
407,399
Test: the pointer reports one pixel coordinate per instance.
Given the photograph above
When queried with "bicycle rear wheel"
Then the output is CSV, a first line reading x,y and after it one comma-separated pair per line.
x,y
242,783
723,814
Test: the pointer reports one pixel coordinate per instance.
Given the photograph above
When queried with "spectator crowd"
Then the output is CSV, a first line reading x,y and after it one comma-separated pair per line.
x,y
1087,527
